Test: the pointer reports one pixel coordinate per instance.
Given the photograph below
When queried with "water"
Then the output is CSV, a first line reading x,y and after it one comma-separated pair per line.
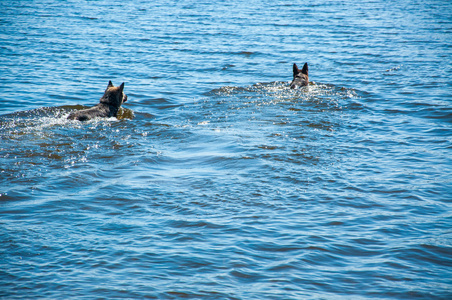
x,y
217,181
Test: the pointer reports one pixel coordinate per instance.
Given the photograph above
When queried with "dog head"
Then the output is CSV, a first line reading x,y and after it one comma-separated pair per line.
x,y
300,78
114,95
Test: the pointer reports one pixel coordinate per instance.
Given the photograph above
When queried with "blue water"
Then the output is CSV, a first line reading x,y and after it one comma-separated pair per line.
x,y
217,181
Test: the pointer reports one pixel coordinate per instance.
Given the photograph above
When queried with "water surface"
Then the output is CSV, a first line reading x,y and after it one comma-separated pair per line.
x,y
217,181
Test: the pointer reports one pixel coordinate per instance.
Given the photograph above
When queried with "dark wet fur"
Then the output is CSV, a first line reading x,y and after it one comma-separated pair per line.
x,y
108,106
300,77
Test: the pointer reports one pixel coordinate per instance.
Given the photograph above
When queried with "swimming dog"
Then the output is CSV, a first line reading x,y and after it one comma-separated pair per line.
x,y
300,78
108,106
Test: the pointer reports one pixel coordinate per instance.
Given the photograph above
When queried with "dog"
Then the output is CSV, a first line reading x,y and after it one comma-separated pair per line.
x,y
108,106
300,78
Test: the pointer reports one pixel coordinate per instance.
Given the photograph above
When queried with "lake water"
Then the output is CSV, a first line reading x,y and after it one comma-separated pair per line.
x,y
217,181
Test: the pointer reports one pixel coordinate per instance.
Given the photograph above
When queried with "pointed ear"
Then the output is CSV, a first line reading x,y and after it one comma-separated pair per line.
x,y
295,69
305,69
121,87
109,86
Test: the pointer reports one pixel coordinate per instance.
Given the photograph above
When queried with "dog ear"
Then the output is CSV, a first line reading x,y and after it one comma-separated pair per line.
x,y
109,85
121,87
305,69
295,70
